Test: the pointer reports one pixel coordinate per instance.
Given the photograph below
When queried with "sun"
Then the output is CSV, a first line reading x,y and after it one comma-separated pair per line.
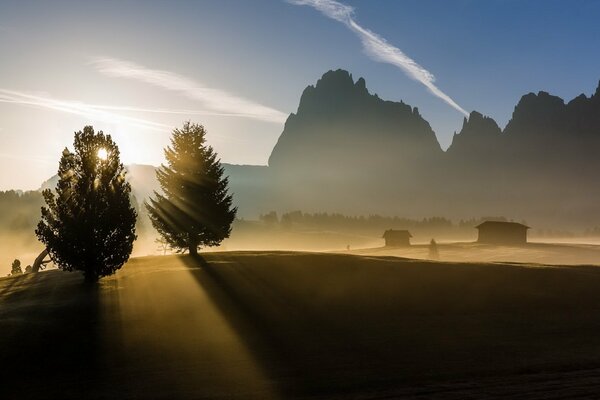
x,y
102,154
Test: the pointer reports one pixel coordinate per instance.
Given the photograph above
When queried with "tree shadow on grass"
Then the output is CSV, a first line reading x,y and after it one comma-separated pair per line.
x,y
49,336
299,349
243,317
332,325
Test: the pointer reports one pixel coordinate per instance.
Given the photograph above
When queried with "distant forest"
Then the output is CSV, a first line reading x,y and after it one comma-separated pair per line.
x,y
298,220
20,213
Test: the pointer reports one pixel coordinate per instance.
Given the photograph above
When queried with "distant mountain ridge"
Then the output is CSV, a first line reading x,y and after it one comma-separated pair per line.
x,y
346,150
541,167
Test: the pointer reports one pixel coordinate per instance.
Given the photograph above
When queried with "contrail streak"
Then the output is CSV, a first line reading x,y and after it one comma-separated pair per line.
x,y
78,108
378,48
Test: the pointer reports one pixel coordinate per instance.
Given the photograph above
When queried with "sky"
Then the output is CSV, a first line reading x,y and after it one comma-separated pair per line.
x,y
137,69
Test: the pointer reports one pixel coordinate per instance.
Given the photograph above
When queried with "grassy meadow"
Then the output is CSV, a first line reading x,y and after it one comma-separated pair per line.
x,y
302,325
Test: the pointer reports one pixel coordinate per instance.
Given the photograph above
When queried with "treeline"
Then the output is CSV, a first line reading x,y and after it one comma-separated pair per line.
x,y
374,224
20,211
299,220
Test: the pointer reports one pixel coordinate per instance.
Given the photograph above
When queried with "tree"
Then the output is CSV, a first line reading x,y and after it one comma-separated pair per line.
x,y
195,208
270,218
162,245
16,268
89,223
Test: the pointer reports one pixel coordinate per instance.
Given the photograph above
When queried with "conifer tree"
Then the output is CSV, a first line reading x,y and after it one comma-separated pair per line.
x,y
195,209
89,223
16,268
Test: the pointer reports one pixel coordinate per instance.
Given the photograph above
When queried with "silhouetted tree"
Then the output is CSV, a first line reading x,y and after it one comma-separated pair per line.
x,y
270,218
162,245
195,208
16,268
89,223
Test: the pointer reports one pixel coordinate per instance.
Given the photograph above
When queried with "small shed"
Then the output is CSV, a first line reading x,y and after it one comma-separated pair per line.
x,y
397,238
498,232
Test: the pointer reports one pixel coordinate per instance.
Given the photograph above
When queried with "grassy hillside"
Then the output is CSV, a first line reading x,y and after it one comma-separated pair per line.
x,y
282,324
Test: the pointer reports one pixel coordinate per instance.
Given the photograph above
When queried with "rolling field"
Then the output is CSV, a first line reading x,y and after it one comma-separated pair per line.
x,y
532,253
303,325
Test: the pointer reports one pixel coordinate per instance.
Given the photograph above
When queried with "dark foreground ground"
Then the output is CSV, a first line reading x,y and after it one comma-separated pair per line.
x,y
301,325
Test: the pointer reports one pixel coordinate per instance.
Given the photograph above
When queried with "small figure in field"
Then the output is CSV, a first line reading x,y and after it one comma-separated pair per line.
x,y
348,247
433,250
16,268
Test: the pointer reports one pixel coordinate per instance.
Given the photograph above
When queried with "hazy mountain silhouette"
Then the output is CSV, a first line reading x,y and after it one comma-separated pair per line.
x,y
340,125
346,150
349,151
478,137
542,166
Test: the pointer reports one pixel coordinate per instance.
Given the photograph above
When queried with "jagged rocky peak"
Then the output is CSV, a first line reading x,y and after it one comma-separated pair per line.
x,y
338,79
336,82
540,101
338,118
478,132
334,87
537,110
361,85
596,94
480,124
582,98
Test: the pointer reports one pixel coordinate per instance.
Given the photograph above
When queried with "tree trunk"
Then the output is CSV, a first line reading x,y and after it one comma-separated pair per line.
x,y
39,261
193,244
90,277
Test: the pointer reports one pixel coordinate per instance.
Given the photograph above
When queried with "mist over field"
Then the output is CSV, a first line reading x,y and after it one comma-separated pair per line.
x,y
299,199
349,165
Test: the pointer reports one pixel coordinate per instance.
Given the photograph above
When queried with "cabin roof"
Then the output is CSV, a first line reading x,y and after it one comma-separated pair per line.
x,y
500,224
396,233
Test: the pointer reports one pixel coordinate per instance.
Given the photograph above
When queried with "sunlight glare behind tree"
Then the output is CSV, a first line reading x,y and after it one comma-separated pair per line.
x,y
102,154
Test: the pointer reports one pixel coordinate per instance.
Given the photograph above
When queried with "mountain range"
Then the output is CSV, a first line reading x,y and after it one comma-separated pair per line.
x,y
347,150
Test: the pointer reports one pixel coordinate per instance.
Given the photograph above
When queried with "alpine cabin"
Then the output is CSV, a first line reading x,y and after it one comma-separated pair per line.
x,y
397,238
504,233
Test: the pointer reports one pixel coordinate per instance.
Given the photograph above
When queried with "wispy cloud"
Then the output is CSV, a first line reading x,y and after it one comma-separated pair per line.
x,y
377,47
89,111
28,157
169,111
101,112
215,100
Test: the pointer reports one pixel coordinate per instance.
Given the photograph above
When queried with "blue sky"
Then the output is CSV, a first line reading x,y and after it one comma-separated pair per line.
x,y
201,60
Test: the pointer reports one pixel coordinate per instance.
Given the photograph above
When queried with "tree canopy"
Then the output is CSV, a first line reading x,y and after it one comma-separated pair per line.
x,y
194,209
16,268
88,223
